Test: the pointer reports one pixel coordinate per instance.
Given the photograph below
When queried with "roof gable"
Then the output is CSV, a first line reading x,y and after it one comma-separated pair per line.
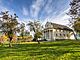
x,y
58,26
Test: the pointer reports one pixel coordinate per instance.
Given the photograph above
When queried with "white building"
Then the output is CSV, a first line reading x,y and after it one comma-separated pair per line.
x,y
55,31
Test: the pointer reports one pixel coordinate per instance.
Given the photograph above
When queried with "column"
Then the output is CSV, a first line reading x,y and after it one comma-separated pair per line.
x,y
46,34
53,33
49,35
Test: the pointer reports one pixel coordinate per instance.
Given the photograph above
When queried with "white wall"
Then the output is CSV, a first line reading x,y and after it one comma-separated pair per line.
x,y
72,37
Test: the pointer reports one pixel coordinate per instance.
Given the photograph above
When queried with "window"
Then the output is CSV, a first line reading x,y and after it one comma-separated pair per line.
x,y
56,35
79,35
60,34
59,30
56,30
67,35
63,30
64,34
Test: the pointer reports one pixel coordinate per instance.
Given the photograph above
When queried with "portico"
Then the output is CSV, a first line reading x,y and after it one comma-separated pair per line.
x,y
48,34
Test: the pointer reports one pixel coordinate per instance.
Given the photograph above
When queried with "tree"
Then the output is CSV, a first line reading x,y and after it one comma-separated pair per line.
x,y
22,30
9,25
37,35
77,25
27,33
74,13
37,28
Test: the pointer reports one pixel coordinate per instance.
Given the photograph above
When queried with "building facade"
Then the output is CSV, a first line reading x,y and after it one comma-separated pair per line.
x,y
55,31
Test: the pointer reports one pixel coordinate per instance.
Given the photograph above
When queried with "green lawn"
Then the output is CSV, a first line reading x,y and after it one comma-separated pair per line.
x,y
59,50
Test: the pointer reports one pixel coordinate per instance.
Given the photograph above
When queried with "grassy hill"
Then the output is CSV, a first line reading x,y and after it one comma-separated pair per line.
x,y
58,50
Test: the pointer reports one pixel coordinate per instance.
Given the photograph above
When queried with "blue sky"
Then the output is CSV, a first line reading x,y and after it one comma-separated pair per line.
x,y
43,10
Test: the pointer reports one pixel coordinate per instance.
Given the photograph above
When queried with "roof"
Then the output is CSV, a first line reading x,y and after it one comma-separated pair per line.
x,y
58,26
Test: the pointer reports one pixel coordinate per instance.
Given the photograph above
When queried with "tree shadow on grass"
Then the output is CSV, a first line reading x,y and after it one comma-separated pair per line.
x,y
38,49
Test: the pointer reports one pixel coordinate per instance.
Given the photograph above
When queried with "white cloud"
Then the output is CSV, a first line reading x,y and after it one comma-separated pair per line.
x,y
62,18
25,21
48,8
36,7
64,12
25,11
4,8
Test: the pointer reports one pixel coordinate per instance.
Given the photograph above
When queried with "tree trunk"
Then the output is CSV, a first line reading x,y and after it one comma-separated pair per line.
x,y
38,41
75,35
10,39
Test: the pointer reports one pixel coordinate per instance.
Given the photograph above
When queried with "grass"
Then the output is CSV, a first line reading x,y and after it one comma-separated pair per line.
x,y
58,50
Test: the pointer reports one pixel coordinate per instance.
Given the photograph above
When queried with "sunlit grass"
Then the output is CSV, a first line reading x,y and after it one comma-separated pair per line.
x,y
58,50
